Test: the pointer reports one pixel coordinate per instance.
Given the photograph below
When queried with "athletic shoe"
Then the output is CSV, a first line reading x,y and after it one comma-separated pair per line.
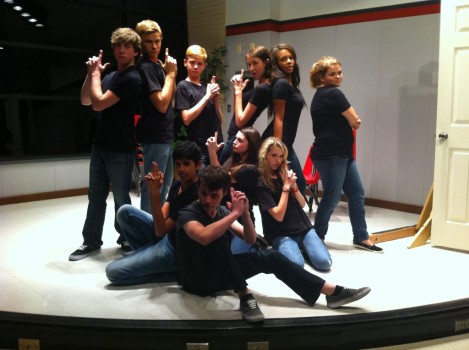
x,y
126,248
82,252
250,310
370,248
346,296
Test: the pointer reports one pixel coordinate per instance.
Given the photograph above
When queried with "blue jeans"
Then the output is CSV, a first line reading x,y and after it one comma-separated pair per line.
x,y
226,152
239,246
153,259
339,174
107,169
295,165
312,246
162,154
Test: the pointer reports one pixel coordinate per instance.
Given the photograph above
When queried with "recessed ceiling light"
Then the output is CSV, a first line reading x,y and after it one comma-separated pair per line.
x,y
32,20
25,14
17,8
10,2
39,25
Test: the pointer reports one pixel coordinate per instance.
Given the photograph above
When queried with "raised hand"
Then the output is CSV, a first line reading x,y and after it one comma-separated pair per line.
x,y
212,144
238,83
95,64
170,64
154,179
239,202
213,89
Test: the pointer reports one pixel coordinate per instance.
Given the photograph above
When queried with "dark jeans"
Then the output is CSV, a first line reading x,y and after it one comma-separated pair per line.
x,y
303,283
107,169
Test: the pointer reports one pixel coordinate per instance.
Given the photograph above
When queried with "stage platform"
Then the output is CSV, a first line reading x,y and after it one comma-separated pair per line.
x,y
417,294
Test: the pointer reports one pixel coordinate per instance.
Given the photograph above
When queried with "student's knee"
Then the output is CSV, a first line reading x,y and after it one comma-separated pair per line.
x,y
123,212
322,265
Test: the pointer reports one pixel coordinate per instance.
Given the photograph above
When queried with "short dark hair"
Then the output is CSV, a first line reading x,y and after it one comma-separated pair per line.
x,y
187,150
214,178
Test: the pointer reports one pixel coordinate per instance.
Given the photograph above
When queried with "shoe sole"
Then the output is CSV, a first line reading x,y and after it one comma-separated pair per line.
x,y
254,319
368,250
83,256
350,299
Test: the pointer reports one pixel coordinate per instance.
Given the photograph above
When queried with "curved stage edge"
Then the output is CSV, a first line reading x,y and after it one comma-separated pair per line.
x,y
356,331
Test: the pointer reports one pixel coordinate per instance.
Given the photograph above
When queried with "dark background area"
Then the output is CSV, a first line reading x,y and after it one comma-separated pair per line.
x,y
42,69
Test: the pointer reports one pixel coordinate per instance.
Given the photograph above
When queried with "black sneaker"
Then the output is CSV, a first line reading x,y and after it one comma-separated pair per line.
x,y
82,252
371,248
126,248
346,296
250,309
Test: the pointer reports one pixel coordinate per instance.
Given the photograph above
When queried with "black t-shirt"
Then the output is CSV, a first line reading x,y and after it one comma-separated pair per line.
x,y
204,269
295,222
187,96
177,201
294,103
332,132
260,97
245,179
153,126
115,130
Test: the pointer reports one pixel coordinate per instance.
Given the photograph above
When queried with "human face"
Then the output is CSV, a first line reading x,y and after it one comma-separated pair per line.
x,y
275,158
151,45
240,144
256,67
125,55
333,76
285,61
186,170
195,66
210,199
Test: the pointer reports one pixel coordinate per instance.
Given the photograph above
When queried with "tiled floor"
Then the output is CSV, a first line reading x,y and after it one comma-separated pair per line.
x,y
36,276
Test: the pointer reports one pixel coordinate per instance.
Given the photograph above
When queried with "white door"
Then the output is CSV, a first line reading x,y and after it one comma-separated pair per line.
x,y
450,226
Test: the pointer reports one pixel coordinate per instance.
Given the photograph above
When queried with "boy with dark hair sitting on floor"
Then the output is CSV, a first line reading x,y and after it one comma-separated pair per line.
x,y
206,264
152,236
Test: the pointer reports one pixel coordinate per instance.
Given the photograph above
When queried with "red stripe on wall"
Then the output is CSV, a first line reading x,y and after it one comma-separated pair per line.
x,y
334,20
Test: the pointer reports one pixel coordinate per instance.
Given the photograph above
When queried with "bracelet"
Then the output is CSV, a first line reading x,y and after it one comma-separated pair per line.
x,y
296,190
285,190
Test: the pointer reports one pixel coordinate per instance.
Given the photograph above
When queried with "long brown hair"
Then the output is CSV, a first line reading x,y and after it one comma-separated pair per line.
x,y
234,163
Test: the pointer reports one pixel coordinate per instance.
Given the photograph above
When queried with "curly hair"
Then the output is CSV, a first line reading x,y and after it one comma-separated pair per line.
x,y
188,150
319,69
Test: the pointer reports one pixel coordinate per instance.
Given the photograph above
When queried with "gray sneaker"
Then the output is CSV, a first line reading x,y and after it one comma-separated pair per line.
x,y
250,310
82,252
346,296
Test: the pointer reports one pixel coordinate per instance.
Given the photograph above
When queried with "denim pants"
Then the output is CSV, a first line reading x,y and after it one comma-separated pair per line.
x,y
162,154
153,259
295,165
227,149
302,282
339,174
107,169
312,246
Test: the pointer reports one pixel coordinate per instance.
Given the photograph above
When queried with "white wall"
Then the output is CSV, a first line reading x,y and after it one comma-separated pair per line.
x,y
390,77
21,178
245,11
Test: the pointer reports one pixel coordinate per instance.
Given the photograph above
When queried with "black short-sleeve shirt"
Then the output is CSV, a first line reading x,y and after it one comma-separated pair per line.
x,y
295,222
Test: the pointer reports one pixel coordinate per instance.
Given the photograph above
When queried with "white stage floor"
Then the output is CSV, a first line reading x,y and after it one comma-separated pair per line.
x,y
36,276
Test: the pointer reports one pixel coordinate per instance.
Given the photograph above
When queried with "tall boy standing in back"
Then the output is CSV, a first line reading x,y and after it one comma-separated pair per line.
x,y
112,154
155,127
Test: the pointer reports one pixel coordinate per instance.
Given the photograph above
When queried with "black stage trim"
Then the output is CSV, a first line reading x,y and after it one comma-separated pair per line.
x,y
356,331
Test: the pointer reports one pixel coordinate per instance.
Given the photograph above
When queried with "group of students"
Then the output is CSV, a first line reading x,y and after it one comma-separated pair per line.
x,y
197,226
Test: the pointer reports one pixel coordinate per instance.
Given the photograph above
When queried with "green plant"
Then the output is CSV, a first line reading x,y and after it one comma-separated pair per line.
x,y
216,66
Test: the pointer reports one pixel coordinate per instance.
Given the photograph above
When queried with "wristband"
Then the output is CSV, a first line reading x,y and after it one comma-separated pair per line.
x,y
296,190
285,190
